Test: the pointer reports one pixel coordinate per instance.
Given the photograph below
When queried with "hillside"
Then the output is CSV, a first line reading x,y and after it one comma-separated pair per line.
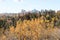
x,y
32,26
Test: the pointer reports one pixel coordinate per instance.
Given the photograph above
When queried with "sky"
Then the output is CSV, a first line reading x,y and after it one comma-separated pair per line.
x,y
15,6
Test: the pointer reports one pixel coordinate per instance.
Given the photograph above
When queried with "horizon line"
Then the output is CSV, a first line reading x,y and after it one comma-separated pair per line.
x,y
31,10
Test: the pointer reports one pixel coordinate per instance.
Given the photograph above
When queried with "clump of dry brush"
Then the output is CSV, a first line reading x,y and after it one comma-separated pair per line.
x,y
38,29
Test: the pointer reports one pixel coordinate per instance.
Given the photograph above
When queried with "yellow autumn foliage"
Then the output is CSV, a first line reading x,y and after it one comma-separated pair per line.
x,y
35,29
12,30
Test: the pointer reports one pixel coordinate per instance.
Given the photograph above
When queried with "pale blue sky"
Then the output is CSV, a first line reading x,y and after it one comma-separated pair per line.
x,y
11,6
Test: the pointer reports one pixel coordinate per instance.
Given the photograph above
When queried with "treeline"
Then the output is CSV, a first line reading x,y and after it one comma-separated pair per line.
x,y
6,21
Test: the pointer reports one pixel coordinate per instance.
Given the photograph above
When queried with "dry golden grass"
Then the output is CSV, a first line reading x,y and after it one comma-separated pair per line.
x,y
32,30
